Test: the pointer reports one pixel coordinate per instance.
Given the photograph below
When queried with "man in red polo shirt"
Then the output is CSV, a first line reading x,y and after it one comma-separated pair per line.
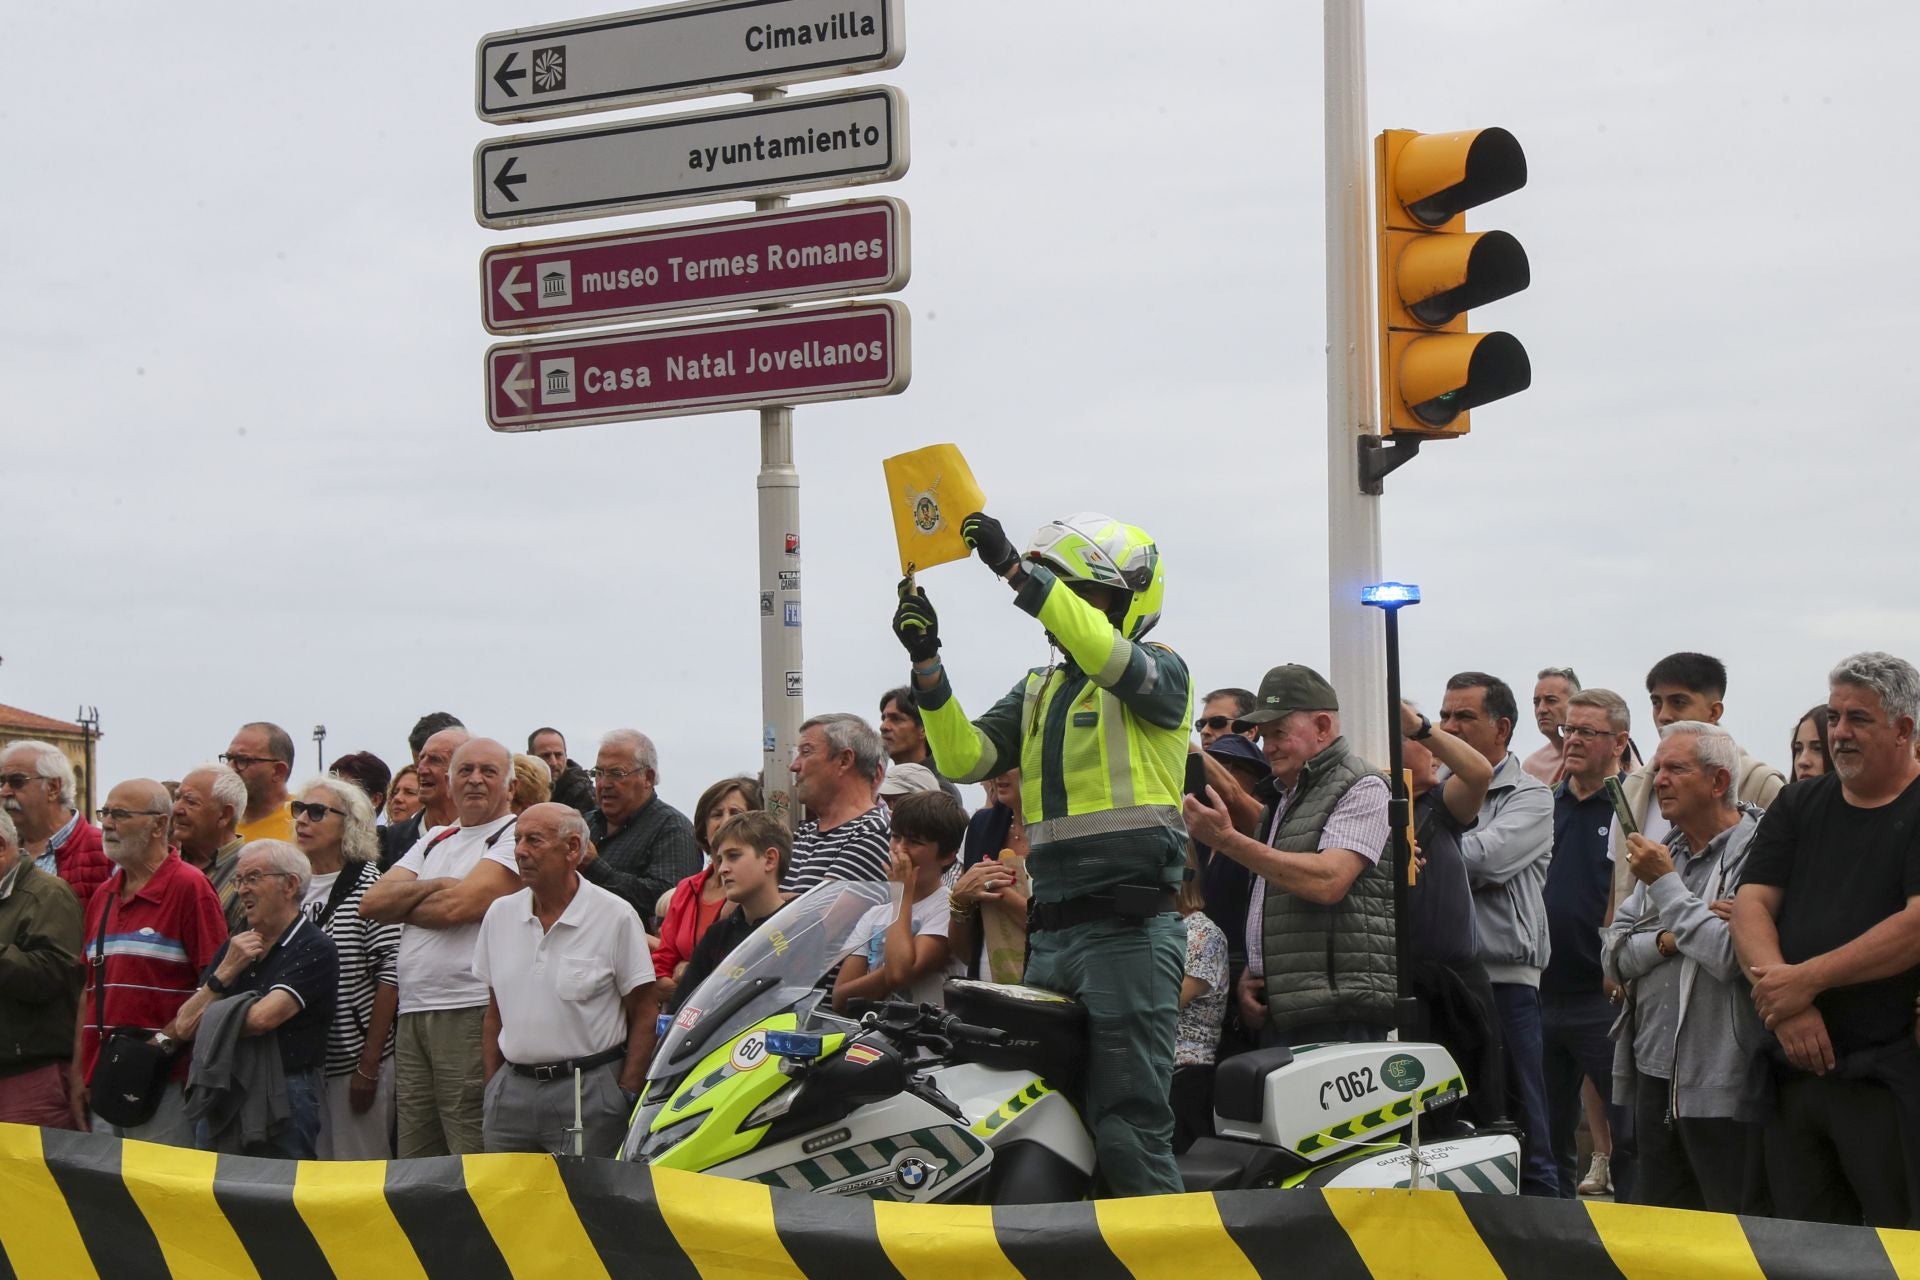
x,y
162,927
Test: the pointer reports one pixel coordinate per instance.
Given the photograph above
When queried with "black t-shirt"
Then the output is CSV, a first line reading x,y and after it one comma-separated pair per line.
x,y
1843,870
715,945
1579,881
1440,907
305,965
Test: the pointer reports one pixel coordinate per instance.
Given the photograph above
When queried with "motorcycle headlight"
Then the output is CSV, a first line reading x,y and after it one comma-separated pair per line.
x,y
663,1140
775,1107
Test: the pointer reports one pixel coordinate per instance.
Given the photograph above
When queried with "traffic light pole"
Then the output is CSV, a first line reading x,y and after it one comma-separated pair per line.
x,y
1357,659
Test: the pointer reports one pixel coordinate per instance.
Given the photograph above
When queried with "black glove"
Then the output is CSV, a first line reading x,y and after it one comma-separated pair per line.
x,y
984,534
915,624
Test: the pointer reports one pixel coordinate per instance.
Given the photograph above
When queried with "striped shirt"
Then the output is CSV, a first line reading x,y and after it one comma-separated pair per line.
x,y
854,850
158,943
369,956
1358,823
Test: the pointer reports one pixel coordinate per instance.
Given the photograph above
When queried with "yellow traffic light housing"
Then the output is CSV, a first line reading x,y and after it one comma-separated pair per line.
x,y
1433,270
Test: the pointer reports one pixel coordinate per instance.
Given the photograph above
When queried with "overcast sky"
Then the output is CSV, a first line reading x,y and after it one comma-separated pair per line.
x,y
247,473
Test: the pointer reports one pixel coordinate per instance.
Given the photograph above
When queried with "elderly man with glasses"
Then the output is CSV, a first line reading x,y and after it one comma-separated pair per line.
x,y
441,890
151,931
37,791
641,845
279,977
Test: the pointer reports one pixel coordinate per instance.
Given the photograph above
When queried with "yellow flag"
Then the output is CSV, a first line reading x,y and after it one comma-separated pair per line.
x,y
930,491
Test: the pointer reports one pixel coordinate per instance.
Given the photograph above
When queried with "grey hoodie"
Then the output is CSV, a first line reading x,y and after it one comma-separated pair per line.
x,y
1507,853
1716,1032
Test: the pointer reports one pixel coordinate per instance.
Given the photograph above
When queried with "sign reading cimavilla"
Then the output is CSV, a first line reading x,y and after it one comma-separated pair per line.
x,y
679,51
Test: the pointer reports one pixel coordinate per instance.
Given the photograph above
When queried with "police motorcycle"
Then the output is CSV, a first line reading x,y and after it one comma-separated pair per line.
x,y
758,1079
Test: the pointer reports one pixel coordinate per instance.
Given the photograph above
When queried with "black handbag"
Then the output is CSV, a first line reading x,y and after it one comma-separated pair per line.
x,y
130,1074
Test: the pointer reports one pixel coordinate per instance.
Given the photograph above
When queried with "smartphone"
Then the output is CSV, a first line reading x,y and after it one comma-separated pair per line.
x,y
1617,796
1196,775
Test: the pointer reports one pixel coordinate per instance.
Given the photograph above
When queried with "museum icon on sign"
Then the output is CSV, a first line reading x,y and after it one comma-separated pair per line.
x,y
556,283
556,381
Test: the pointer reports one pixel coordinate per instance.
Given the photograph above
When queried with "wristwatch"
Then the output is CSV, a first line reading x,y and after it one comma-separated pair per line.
x,y
1424,732
166,1042
216,986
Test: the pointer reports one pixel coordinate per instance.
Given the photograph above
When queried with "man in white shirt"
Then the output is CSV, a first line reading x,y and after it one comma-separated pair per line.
x,y
441,890
570,988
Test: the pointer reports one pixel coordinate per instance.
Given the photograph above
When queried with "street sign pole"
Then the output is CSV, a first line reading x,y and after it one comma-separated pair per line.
x,y
782,672
1357,659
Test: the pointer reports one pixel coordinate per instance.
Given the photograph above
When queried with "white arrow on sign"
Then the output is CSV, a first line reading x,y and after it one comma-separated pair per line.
x,y
510,288
723,153
514,384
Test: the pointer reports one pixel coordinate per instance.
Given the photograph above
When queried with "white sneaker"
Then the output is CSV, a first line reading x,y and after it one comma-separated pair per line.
x,y
1599,1179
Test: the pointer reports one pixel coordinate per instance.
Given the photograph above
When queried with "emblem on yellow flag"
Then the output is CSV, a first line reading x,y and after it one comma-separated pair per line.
x,y
930,491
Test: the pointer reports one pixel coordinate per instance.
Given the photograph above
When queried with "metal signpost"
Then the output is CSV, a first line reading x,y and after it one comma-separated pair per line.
x,y
679,51
696,157
762,151
742,362
794,255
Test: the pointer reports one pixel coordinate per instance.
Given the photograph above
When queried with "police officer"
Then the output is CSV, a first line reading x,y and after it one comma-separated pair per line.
x,y
1101,740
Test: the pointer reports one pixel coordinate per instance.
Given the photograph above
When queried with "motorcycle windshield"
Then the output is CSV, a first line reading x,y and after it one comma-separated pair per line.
x,y
780,963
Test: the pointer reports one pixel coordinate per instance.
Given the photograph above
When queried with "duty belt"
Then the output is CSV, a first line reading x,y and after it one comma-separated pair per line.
x,y
1134,902
556,1070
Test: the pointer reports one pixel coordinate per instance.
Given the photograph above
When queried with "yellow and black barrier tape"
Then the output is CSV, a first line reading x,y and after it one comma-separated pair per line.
x,y
74,1206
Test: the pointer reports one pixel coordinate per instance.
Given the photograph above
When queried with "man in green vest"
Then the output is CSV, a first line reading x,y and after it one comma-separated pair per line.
x,y
1100,737
1320,924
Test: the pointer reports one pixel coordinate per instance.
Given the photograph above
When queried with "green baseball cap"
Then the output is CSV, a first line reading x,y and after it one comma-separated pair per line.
x,y
1287,689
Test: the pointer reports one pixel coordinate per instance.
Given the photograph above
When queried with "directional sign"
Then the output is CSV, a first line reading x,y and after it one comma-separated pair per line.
x,y
660,162
781,358
679,51
825,251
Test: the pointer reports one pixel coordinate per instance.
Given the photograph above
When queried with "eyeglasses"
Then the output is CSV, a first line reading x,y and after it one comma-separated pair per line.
x,y
121,815
1212,722
244,762
317,812
1586,732
613,775
248,879
17,781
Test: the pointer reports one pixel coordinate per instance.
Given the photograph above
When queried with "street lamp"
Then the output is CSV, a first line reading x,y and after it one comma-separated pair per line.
x,y
1390,598
320,748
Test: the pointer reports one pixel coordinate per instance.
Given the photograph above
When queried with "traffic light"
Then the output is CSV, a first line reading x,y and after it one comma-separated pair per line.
x,y
1432,270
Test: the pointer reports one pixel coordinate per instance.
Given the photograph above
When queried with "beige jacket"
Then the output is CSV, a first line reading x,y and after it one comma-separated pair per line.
x,y
1759,784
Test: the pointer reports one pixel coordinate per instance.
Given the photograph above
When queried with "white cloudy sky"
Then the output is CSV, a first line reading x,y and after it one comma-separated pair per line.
x,y
246,473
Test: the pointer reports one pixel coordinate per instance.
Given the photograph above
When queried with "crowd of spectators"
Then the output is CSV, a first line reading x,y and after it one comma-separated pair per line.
x,y
1713,963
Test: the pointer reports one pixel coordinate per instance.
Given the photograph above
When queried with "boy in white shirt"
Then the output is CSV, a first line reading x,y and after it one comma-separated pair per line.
x,y
910,957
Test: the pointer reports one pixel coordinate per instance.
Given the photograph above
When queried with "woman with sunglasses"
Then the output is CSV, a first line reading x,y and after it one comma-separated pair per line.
x,y
333,825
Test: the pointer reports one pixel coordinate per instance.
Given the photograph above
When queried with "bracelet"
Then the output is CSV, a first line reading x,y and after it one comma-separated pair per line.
x,y
364,1076
933,670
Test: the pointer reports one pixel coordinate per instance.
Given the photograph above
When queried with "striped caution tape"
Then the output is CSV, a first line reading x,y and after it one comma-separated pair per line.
x,y
75,1206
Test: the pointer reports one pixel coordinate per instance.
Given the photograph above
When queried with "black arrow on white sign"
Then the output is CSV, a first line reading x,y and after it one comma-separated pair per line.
x,y
505,74
506,180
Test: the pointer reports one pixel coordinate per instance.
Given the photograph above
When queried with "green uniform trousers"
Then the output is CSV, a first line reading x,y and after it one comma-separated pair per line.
x,y
1127,974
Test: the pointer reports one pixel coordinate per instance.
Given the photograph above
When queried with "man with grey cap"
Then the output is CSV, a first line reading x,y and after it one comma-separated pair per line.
x,y
1320,923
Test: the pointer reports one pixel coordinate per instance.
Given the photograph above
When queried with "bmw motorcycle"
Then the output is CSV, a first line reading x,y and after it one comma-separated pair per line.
x,y
757,1078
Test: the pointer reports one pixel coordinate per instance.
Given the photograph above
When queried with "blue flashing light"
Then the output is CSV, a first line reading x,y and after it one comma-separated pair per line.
x,y
1390,595
798,1045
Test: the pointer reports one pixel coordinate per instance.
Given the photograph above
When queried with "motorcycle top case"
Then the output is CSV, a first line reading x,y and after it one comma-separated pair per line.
x,y
1333,1097
1046,1031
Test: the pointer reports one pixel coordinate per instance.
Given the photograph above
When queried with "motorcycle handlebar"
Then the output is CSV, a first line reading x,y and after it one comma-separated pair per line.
x,y
980,1035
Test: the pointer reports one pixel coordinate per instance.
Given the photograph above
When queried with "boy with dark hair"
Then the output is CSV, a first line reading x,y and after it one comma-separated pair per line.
x,y
910,956
750,855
